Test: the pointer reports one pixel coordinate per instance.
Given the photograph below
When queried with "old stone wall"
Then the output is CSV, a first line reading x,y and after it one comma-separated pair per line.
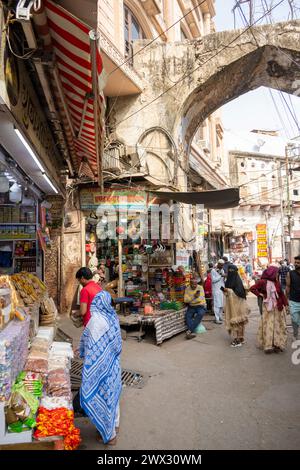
x,y
52,254
185,82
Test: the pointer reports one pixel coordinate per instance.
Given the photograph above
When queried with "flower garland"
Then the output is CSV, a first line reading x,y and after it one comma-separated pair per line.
x,y
58,422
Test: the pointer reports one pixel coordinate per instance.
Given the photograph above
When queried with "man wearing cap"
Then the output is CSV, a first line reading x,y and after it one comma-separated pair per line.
x,y
194,297
218,283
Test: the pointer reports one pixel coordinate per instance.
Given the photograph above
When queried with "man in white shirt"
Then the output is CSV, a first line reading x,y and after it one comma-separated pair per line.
x,y
218,282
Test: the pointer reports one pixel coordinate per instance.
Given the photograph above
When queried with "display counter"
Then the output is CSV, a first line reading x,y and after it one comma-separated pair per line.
x,y
167,323
35,386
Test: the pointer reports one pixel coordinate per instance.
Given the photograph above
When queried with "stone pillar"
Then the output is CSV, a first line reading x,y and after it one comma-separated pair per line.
x,y
168,14
212,137
71,255
52,263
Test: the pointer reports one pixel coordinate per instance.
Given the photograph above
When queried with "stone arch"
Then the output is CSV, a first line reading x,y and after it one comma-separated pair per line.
x,y
266,58
185,82
157,151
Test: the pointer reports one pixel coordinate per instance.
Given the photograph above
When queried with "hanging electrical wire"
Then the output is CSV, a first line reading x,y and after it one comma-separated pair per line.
x,y
268,11
226,46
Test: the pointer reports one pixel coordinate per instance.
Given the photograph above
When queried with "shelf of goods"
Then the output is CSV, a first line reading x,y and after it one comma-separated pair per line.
x,y
35,387
18,238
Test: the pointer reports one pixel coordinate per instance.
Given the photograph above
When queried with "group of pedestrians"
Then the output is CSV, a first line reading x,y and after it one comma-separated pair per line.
x,y
100,344
278,292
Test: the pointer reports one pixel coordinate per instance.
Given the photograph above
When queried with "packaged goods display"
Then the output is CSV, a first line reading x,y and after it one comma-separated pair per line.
x,y
13,354
35,385
29,288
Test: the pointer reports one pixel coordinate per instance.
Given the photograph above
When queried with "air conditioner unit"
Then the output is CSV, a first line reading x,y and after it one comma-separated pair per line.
x,y
111,160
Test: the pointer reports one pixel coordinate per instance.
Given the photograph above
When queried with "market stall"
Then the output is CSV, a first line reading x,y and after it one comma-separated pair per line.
x,y
131,248
35,387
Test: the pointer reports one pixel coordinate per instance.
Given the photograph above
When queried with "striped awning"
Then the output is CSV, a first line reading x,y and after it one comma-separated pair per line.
x,y
72,81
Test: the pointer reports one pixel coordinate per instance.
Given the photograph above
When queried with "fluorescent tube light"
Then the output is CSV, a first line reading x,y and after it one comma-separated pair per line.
x,y
33,155
50,183
22,139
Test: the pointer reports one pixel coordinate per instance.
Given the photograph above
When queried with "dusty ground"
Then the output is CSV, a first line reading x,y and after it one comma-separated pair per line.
x,y
202,394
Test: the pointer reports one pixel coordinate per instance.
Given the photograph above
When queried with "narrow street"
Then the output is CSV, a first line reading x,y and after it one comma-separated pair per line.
x,y
149,173
202,394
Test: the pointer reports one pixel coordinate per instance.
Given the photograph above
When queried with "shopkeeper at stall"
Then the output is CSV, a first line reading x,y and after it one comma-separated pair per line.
x,y
87,293
195,298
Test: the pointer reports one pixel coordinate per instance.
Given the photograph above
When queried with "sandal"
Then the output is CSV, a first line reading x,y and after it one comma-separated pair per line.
x,y
236,344
112,442
269,351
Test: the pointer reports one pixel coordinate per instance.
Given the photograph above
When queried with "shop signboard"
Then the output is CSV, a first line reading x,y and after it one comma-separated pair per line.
x,y
261,241
18,94
113,199
182,258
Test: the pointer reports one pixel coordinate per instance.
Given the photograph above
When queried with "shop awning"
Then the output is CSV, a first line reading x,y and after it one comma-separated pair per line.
x,y
215,199
72,79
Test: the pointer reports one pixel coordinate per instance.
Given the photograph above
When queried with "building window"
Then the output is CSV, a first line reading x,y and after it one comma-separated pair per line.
x,y
132,30
296,192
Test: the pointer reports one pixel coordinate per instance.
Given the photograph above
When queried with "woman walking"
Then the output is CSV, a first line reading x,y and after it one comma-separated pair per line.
x,y
236,308
100,347
272,335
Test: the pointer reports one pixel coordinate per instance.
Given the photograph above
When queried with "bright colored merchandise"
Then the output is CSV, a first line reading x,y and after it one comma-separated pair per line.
x,y
58,422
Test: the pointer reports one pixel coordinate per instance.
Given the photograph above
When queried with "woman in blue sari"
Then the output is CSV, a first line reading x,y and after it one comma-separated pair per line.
x,y
100,347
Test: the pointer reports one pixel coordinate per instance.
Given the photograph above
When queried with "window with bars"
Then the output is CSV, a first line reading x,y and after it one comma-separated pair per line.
x,y
132,31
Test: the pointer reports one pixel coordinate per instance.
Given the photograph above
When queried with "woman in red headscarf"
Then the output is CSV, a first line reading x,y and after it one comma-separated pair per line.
x,y
272,335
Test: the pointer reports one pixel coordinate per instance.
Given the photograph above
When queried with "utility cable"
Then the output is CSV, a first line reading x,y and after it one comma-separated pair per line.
x,y
199,66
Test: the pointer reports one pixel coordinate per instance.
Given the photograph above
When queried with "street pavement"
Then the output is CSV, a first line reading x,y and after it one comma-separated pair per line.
x,y
202,394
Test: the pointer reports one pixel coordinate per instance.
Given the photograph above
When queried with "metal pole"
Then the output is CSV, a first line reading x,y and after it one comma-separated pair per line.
x,y
288,202
251,12
120,255
209,235
94,36
269,250
281,210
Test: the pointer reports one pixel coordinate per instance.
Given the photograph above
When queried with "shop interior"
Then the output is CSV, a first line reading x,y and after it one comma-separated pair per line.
x,y
19,222
147,278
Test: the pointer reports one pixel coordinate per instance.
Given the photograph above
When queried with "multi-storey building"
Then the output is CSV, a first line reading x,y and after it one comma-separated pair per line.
x,y
259,163
121,25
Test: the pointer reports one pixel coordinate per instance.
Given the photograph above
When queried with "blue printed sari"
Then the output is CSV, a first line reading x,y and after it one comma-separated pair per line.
x,y
101,346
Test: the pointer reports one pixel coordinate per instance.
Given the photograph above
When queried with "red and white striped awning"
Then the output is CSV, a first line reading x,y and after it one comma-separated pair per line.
x,y
73,86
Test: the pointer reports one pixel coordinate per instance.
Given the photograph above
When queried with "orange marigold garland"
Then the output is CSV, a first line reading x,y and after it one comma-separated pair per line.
x,y
58,422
